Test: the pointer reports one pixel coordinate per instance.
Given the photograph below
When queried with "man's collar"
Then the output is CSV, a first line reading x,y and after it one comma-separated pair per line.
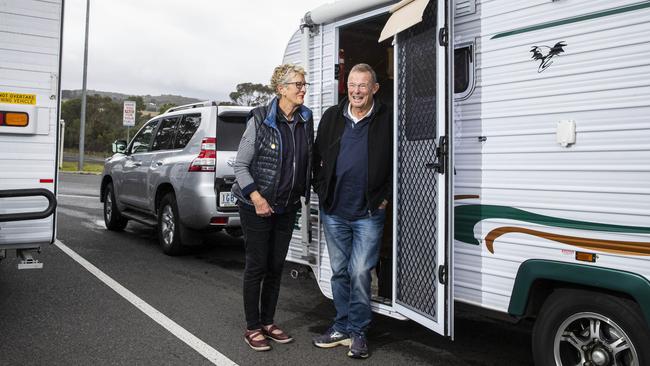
x,y
354,118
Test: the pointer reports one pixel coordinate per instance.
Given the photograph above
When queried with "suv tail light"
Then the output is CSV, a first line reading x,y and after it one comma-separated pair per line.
x,y
207,158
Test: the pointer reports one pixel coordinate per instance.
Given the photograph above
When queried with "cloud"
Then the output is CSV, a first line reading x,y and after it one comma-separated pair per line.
x,y
200,48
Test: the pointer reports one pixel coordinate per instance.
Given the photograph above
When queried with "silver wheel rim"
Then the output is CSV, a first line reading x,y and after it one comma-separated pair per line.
x,y
108,206
590,339
167,226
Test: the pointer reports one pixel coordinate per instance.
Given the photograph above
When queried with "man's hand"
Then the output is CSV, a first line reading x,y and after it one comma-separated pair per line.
x,y
383,205
262,207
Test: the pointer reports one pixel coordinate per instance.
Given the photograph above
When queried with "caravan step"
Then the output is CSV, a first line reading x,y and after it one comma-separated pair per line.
x,y
27,260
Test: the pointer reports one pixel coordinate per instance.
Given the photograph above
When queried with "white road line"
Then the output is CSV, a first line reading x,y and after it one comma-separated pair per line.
x,y
77,196
199,346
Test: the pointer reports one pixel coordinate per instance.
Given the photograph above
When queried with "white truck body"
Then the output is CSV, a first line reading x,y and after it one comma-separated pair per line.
x,y
549,146
30,69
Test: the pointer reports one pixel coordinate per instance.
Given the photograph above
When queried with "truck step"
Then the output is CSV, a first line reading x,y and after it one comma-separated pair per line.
x,y
140,217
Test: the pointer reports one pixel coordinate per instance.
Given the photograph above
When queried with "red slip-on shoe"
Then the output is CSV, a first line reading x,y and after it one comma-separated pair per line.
x,y
258,345
276,334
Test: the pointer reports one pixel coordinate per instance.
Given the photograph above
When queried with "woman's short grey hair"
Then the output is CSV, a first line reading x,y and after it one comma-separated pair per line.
x,y
365,68
283,73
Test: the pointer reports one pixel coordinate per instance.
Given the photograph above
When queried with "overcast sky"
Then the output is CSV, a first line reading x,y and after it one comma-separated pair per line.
x,y
194,48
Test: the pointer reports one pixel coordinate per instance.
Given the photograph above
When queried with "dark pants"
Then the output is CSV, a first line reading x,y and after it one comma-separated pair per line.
x,y
267,242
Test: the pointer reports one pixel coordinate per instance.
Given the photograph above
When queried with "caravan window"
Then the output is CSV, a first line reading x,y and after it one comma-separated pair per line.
x,y
463,71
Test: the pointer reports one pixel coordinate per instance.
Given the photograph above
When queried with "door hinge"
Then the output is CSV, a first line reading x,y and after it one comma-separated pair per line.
x,y
442,275
443,36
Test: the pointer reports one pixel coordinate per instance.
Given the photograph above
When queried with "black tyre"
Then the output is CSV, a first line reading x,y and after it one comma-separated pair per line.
x,y
113,219
579,327
169,228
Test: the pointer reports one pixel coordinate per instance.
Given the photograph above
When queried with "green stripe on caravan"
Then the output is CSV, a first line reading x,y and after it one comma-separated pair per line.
x,y
581,18
467,216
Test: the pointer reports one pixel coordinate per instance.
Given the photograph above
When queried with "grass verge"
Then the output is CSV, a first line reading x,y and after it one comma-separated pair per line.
x,y
72,166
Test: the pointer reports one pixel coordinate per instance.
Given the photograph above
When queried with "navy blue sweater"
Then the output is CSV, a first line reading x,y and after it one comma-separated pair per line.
x,y
352,171
380,160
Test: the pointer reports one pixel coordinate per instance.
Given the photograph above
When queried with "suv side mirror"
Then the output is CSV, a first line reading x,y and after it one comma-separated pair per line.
x,y
119,146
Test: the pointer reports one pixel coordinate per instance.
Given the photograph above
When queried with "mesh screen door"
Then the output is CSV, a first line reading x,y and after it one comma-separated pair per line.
x,y
419,187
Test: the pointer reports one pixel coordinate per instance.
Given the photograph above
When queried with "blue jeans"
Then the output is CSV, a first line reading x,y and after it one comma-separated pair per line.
x,y
353,247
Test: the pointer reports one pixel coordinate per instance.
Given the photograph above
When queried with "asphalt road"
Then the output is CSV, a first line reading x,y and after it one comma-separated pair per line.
x,y
64,315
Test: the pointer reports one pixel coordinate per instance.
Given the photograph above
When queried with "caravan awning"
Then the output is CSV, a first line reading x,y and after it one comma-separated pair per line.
x,y
406,14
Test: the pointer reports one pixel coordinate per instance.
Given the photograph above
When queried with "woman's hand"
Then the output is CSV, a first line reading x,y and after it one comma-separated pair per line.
x,y
262,207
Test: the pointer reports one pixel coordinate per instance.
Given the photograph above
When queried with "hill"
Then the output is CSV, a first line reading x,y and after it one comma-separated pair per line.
x,y
153,101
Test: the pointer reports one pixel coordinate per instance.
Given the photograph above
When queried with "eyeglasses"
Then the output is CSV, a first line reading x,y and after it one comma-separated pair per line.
x,y
299,84
361,87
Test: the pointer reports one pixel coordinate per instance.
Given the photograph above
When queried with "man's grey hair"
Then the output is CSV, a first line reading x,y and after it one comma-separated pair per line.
x,y
365,68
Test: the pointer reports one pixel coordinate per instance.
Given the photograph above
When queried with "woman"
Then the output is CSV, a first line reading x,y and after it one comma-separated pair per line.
x,y
272,172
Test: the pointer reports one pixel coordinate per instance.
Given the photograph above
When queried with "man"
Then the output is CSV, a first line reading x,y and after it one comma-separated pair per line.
x,y
352,175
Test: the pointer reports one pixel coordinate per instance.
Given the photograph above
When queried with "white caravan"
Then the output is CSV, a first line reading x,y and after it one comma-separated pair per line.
x,y
526,191
30,69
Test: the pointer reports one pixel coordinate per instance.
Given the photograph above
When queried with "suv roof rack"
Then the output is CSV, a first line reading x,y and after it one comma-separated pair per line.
x,y
193,105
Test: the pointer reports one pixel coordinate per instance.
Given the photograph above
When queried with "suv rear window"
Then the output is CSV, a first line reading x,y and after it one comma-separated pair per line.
x,y
165,133
186,129
229,131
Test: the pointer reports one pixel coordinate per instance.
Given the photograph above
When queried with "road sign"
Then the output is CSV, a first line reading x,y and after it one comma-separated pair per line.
x,y
128,116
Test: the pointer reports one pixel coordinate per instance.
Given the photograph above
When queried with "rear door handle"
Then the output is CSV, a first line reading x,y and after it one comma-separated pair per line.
x,y
137,163
159,163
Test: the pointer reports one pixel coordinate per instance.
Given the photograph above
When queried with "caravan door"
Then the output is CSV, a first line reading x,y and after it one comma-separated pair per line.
x,y
422,180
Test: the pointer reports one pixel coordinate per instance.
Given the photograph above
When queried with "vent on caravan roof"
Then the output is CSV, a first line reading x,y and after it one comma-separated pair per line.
x,y
465,7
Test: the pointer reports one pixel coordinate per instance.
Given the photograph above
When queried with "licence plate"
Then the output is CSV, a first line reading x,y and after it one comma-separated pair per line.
x,y
227,199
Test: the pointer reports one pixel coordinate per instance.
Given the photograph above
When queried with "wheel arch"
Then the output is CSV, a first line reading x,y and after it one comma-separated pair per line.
x,y
536,279
102,188
161,191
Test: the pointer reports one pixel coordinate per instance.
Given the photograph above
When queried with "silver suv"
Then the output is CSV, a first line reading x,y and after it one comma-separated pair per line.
x,y
176,174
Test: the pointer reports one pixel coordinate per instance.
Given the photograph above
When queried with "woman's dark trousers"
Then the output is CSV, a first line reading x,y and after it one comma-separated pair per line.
x,y
267,242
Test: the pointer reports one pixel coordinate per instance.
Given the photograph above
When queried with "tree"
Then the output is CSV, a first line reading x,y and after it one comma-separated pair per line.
x,y
70,113
163,108
103,121
250,94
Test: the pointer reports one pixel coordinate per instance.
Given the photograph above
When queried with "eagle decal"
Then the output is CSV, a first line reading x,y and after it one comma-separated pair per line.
x,y
545,59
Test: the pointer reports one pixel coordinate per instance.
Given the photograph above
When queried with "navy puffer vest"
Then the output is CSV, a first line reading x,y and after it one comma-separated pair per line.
x,y
266,165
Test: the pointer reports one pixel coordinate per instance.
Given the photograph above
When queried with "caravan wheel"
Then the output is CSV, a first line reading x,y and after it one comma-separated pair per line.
x,y
577,327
